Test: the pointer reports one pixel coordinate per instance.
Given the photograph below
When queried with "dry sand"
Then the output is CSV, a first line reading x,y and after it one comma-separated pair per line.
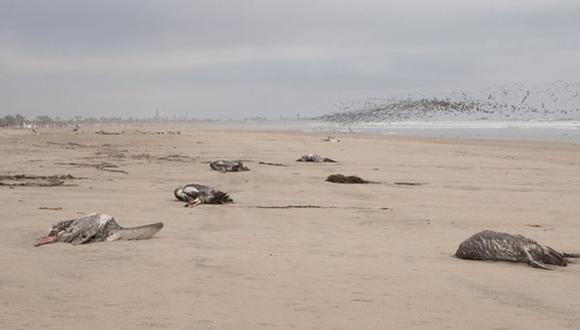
x,y
378,256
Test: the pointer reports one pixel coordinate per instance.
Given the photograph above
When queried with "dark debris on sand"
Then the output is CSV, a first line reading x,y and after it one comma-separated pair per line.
x,y
50,208
25,180
310,206
403,183
272,164
314,158
340,178
169,158
103,132
69,145
102,166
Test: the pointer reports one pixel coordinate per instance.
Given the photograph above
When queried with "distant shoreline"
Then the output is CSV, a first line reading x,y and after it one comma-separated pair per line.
x,y
566,131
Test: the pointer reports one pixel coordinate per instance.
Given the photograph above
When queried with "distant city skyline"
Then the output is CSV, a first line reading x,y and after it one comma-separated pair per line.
x,y
242,59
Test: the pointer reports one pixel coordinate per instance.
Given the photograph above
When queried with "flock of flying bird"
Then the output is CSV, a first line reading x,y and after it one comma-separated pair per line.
x,y
555,101
485,245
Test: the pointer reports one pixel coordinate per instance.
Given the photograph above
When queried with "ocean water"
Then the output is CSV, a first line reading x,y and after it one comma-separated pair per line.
x,y
555,131
544,112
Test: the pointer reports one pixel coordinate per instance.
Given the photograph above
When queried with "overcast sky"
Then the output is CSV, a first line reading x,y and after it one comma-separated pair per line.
x,y
235,59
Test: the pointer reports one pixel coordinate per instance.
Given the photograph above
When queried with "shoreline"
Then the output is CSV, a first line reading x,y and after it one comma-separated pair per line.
x,y
567,132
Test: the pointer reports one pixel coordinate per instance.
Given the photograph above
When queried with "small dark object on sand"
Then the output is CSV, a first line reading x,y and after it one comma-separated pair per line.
x,y
496,246
408,183
292,207
194,194
102,166
93,228
339,178
271,164
224,166
169,132
309,206
50,208
102,132
25,180
314,158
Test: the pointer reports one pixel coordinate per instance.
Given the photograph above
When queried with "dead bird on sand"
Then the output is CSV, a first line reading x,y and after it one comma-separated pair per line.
x,y
491,245
314,158
194,194
93,228
223,166
340,178
331,139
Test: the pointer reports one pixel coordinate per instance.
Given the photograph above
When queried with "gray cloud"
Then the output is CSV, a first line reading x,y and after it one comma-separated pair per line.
x,y
245,58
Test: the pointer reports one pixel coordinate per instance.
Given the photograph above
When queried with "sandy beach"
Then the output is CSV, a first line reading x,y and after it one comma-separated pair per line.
x,y
374,256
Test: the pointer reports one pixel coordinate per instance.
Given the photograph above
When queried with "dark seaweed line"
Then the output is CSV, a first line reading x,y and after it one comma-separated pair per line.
x,y
271,164
308,206
33,184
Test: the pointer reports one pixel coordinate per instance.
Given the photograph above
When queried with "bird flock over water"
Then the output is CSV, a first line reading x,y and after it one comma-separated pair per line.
x,y
554,101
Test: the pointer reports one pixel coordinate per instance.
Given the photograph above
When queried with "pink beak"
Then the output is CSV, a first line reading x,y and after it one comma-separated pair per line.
x,y
45,240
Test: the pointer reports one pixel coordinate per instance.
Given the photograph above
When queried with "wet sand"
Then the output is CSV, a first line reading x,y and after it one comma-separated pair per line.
x,y
373,256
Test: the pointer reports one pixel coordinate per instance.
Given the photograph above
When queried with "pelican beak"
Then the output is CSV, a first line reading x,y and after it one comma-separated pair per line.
x,y
193,203
45,240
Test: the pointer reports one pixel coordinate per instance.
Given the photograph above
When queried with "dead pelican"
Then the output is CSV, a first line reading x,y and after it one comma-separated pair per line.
x,y
491,245
194,194
314,158
331,139
96,227
228,166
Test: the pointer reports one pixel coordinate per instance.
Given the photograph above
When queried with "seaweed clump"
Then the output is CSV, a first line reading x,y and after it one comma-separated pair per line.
x,y
25,180
340,178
